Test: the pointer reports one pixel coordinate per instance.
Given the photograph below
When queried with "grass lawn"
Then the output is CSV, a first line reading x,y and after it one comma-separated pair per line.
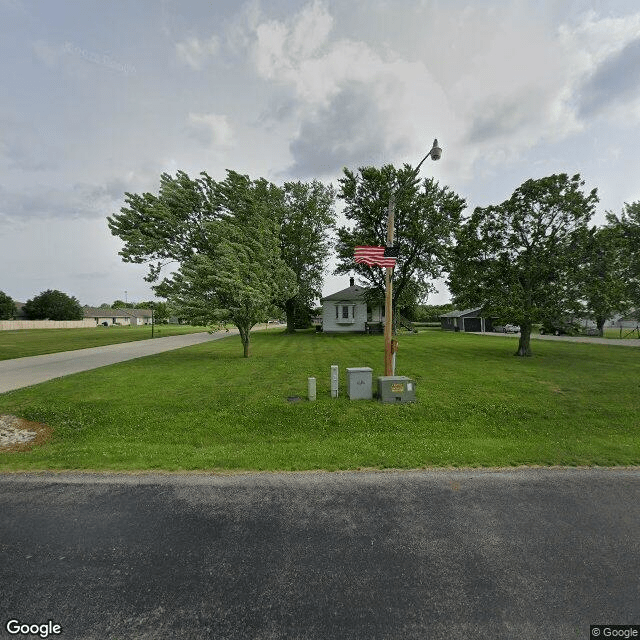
x,y
35,342
207,408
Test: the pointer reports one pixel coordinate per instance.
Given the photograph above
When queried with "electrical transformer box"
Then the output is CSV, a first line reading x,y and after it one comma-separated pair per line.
x,y
396,389
359,383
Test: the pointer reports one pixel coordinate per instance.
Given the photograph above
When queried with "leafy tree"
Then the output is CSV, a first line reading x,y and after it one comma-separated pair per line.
x,y
426,217
7,307
626,231
167,228
601,273
518,259
177,224
238,274
53,305
308,216
121,304
105,305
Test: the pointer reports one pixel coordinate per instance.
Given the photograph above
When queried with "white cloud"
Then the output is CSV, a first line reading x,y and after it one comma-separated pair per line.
x,y
353,105
195,52
210,129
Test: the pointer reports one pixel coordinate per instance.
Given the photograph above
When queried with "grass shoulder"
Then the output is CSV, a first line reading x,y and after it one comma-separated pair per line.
x,y
34,342
208,408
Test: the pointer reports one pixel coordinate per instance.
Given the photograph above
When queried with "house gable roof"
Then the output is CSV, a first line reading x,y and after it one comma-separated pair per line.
x,y
354,294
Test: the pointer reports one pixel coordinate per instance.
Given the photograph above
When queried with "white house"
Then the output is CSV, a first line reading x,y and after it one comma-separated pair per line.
x,y
347,311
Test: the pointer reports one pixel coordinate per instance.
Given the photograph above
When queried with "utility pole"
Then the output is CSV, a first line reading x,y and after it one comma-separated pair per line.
x,y
391,346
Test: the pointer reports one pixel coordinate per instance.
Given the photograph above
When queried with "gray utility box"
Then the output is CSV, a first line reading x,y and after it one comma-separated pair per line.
x,y
396,389
359,383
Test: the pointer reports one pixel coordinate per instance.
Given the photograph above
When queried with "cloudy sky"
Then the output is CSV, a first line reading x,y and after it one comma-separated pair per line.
x,y
99,98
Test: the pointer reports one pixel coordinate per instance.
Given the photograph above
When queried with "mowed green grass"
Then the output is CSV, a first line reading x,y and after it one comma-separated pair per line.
x,y
207,408
35,342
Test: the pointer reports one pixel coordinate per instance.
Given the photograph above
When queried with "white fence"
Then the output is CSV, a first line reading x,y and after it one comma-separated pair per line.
x,y
9,325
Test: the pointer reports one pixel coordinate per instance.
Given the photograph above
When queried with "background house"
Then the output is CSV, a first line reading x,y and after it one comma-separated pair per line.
x,y
466,320
126,317
347,311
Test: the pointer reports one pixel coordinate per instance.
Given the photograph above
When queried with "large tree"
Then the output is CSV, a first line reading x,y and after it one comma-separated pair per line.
x,y
426,216
7,306
240,275
518,259
626,229
224,237
308,217
602,273
171,227
53,305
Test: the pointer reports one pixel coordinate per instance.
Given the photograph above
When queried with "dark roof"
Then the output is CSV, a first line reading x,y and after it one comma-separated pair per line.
x,y
97,312
458,314
350,293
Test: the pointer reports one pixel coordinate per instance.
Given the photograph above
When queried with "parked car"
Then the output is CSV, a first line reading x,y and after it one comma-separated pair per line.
x,y
511,328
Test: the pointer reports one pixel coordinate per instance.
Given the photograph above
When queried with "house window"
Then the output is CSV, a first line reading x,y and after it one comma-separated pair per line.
x,y
345,312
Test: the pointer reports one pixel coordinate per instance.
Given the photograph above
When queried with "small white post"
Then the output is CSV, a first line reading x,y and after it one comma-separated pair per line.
x,y
334,380
311,385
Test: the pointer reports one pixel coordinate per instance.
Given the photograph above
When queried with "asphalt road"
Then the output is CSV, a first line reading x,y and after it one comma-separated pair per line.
x,y
24,372
465,554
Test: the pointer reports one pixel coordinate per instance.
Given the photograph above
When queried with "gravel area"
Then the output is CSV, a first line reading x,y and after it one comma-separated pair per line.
x,y
17,434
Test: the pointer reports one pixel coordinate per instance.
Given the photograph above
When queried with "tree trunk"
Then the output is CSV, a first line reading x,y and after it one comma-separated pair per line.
x,y
524,345
600,325
290,310
244,336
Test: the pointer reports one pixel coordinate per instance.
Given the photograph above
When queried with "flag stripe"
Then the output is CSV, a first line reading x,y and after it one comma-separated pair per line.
x,y
373,256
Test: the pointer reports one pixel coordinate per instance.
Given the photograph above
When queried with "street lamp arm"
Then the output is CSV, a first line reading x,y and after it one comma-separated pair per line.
x,y
435,154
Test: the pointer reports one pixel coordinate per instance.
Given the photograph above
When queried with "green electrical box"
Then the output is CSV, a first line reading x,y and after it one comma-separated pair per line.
x,y
396,389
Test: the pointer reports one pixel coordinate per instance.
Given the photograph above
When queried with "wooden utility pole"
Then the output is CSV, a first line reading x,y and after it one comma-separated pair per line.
x,y
388,308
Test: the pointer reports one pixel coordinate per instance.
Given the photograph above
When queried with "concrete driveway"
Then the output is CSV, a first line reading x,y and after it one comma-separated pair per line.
x,y
428,555
23,372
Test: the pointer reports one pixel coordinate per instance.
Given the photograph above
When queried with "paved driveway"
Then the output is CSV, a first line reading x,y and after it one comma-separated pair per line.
x,y
428,555
23,372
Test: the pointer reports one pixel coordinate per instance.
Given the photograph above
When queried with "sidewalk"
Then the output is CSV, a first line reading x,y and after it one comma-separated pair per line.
x,y
24,372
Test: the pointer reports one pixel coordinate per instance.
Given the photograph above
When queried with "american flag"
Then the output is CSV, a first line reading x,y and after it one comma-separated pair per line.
x,y
373,255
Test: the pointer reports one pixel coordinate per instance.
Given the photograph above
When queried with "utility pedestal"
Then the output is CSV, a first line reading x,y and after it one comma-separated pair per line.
x,y
359,383
396,389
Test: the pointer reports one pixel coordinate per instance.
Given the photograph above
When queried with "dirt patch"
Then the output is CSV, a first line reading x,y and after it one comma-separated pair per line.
x,y
17,434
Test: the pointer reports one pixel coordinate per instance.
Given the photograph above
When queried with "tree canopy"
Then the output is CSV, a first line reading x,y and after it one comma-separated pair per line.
x,y
602,275
200,224
7,306
308,217
236,271
518,259
426,217
626,231
53,305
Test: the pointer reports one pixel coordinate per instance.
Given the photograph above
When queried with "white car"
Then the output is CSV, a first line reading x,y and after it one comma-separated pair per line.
x,y
511,328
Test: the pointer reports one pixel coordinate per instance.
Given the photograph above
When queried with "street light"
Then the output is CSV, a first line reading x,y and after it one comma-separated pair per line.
x,y
391,346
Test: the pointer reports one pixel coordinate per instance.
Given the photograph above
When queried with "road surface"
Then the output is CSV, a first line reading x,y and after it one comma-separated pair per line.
x,y
463,554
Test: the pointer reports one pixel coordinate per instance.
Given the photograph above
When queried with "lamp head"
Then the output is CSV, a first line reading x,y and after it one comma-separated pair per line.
x,y
436,151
